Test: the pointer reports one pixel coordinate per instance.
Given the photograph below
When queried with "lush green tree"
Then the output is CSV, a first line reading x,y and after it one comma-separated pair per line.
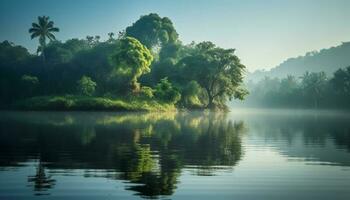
x,y
152,30
58,52
14,62
165,91
30,83
313,85
341,81
190,95
132,60
43,30
11,54
340,86
86,86
217,70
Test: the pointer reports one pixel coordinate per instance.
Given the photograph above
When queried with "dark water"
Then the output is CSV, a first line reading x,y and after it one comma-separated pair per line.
x,y
241,155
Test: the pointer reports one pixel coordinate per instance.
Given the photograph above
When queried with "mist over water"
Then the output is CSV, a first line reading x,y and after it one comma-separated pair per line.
x,y
250,154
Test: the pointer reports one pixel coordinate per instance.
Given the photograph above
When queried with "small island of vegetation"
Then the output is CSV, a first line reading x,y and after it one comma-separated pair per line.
x,y
144,68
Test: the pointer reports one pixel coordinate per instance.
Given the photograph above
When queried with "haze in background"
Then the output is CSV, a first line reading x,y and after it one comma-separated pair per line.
x,y
264,32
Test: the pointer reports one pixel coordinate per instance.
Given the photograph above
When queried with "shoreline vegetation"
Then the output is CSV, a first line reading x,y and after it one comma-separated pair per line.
x,y
83,103
144,67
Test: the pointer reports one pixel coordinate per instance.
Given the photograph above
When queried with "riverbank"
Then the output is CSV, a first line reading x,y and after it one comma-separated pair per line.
x,y
83,103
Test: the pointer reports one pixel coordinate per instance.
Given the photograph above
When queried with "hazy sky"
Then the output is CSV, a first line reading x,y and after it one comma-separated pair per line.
x,y
264,32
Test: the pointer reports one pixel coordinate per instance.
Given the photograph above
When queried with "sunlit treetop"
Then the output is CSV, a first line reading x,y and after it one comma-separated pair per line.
x,y
152,30
132,59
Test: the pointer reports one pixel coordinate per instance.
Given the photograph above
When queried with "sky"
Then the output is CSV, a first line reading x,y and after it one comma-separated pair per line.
x,y
263,32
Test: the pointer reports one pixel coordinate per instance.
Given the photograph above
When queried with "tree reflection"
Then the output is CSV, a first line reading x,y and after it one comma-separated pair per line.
x,y
149,150
42,182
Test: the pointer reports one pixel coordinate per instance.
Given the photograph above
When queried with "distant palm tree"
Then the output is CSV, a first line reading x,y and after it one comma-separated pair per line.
x,y
111,35
90,40
43,29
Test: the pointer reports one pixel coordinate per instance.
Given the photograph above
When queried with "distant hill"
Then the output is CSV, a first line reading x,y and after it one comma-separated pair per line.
x,y
327,60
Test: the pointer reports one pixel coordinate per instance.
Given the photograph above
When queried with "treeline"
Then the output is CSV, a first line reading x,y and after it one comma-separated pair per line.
x,y
147,62
312,90
327,60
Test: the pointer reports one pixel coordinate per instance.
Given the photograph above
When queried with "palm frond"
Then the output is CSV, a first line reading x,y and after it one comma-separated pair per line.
x,y
35,25
43,29
54,29
49,24
42,21
33,30
51,36
34,35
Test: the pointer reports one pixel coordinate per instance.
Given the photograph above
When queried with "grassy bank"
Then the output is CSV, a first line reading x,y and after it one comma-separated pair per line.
x,y
71,102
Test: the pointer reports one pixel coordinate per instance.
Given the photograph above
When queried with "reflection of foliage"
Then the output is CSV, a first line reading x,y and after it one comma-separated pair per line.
x,y
149,150
140,161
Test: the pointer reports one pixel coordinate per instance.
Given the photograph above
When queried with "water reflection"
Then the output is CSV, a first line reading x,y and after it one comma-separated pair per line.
x,y
148,151
41,181
322,137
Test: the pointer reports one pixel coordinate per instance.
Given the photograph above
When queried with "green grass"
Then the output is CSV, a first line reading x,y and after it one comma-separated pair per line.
x,y
71,102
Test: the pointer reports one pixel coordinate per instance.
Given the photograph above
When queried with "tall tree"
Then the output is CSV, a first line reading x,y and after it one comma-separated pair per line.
x,y
43,30
132,59
152,30
313,85
218,71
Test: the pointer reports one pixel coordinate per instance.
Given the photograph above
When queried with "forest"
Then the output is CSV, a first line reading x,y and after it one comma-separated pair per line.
x,y
144,67
147,68
311,90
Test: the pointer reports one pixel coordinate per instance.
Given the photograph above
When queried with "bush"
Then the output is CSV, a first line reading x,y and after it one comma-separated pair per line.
x,y
71,102
86,86
29,85
146,92
165,91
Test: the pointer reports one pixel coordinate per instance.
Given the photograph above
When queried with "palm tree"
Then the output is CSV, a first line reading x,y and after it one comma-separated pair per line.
x,y
43,29
111,35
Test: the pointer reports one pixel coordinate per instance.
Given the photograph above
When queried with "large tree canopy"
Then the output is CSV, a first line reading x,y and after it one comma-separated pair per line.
x,y
132,59
152,30
217,70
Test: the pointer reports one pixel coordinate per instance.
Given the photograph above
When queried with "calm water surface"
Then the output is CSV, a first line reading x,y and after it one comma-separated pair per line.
x,y
245,154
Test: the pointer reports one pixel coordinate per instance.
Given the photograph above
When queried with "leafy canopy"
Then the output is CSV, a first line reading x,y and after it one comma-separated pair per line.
x,y
152,30
86,86
165,91
132,59
217,70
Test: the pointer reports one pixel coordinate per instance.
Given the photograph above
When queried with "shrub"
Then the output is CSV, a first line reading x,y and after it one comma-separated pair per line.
x,y
166,92
146,92
29,85
86,86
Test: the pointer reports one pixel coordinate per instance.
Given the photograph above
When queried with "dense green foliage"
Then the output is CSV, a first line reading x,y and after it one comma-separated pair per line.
x,y
70,102
166,92
86,86
312,90
148,150
132,59
146,62
152,30
218,71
